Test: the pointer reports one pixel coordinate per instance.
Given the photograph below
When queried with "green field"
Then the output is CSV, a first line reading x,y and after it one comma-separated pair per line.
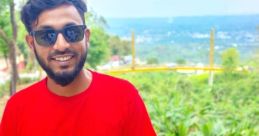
x,y
181,105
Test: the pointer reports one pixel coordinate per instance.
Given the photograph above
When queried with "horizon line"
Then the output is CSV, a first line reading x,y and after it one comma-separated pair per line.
x,y
175,16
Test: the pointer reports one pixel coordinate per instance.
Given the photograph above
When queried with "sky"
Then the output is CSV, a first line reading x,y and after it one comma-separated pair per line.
x,y
171,8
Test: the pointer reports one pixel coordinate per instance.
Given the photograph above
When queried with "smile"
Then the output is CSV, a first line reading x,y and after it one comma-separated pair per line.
x,y
62,58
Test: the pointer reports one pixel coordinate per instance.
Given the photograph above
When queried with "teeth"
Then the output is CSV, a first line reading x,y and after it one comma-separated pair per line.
x,y
63,58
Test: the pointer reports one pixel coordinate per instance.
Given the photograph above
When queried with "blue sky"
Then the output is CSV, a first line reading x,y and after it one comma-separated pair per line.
x,y
171,8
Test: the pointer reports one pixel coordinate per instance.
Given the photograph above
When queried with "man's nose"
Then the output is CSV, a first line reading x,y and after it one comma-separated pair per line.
x,y
61,43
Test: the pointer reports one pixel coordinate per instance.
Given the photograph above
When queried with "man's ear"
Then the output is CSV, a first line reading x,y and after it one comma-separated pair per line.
x,y
30,41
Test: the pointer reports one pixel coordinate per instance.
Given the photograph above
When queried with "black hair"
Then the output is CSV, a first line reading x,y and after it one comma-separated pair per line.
x,y
33,8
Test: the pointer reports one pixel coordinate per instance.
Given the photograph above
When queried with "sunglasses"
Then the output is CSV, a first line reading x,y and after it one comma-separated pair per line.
x,y
48,37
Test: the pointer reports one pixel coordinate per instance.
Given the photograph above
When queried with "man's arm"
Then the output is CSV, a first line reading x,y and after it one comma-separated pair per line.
x,y
8,123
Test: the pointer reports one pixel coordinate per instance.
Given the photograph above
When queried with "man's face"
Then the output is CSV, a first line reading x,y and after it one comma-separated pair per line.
x,y
63,60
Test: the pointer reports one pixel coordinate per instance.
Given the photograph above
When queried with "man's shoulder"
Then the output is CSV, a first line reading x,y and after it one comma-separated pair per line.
x,y
114,88
108,80
28,92
113,85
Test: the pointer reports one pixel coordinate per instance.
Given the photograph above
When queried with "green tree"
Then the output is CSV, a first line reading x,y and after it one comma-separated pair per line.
x,y
7,29
10,41
98,50
119,47
152,60
230,59
180,61
99,40
24,49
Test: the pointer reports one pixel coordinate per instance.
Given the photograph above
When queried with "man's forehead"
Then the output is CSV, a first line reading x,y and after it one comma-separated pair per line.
x,y
52,27
58,17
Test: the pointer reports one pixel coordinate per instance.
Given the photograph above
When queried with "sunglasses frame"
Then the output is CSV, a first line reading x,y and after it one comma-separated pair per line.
x,y
62,31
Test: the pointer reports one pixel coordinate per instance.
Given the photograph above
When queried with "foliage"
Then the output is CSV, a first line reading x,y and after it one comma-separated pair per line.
x,y
152,60
93,20
119,47
4,89
3,49
181,105
3,4
254,61
28,80
98,50
21,44
181,61
4,25
230,59
103,45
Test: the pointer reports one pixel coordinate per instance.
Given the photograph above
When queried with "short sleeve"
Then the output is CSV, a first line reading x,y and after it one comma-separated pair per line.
x,y
8,123
138,122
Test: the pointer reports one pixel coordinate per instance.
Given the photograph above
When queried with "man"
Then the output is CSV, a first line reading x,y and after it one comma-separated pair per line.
x,y
70,101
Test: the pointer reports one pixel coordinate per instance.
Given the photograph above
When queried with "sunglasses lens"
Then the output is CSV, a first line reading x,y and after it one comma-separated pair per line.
x,y
74,33
45,37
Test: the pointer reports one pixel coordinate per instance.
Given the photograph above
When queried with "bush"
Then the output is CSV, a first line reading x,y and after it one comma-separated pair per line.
x,y
181,105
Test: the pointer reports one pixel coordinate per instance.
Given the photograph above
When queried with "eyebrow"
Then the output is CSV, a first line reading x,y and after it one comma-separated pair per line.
x,y
70,24
44,27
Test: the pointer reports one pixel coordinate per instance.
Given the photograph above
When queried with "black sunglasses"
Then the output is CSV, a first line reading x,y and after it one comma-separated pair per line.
x,y
48,37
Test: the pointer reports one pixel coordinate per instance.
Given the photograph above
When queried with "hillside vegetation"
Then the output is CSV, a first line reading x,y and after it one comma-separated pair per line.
x,y
182,105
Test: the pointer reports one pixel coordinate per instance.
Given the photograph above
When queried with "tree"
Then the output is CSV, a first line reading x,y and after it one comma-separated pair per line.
x,y
230,60
152,60
11,42
4,51
119,47
99,50
180,61
99,46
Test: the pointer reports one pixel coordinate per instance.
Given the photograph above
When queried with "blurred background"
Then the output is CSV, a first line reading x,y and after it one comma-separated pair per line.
x,y
195,63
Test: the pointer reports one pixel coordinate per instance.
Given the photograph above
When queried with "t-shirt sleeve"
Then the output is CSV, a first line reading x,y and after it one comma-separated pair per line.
x,y
8,123
138,122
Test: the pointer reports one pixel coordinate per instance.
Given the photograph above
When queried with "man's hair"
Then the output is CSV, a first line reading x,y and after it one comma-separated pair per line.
x,y
33,8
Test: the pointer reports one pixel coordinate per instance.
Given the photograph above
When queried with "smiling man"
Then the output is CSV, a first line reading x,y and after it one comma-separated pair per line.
x,y
70,101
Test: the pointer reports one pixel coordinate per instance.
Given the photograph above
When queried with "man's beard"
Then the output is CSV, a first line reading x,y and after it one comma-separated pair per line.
x,y
66,77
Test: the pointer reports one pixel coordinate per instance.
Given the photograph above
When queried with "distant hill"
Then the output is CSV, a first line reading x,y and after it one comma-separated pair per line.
x,y
170,39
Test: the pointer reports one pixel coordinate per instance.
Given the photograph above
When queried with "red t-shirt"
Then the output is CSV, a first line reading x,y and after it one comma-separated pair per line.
x,y
109,107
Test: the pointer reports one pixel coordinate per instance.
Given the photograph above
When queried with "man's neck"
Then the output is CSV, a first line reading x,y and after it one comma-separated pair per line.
x,y
80,84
